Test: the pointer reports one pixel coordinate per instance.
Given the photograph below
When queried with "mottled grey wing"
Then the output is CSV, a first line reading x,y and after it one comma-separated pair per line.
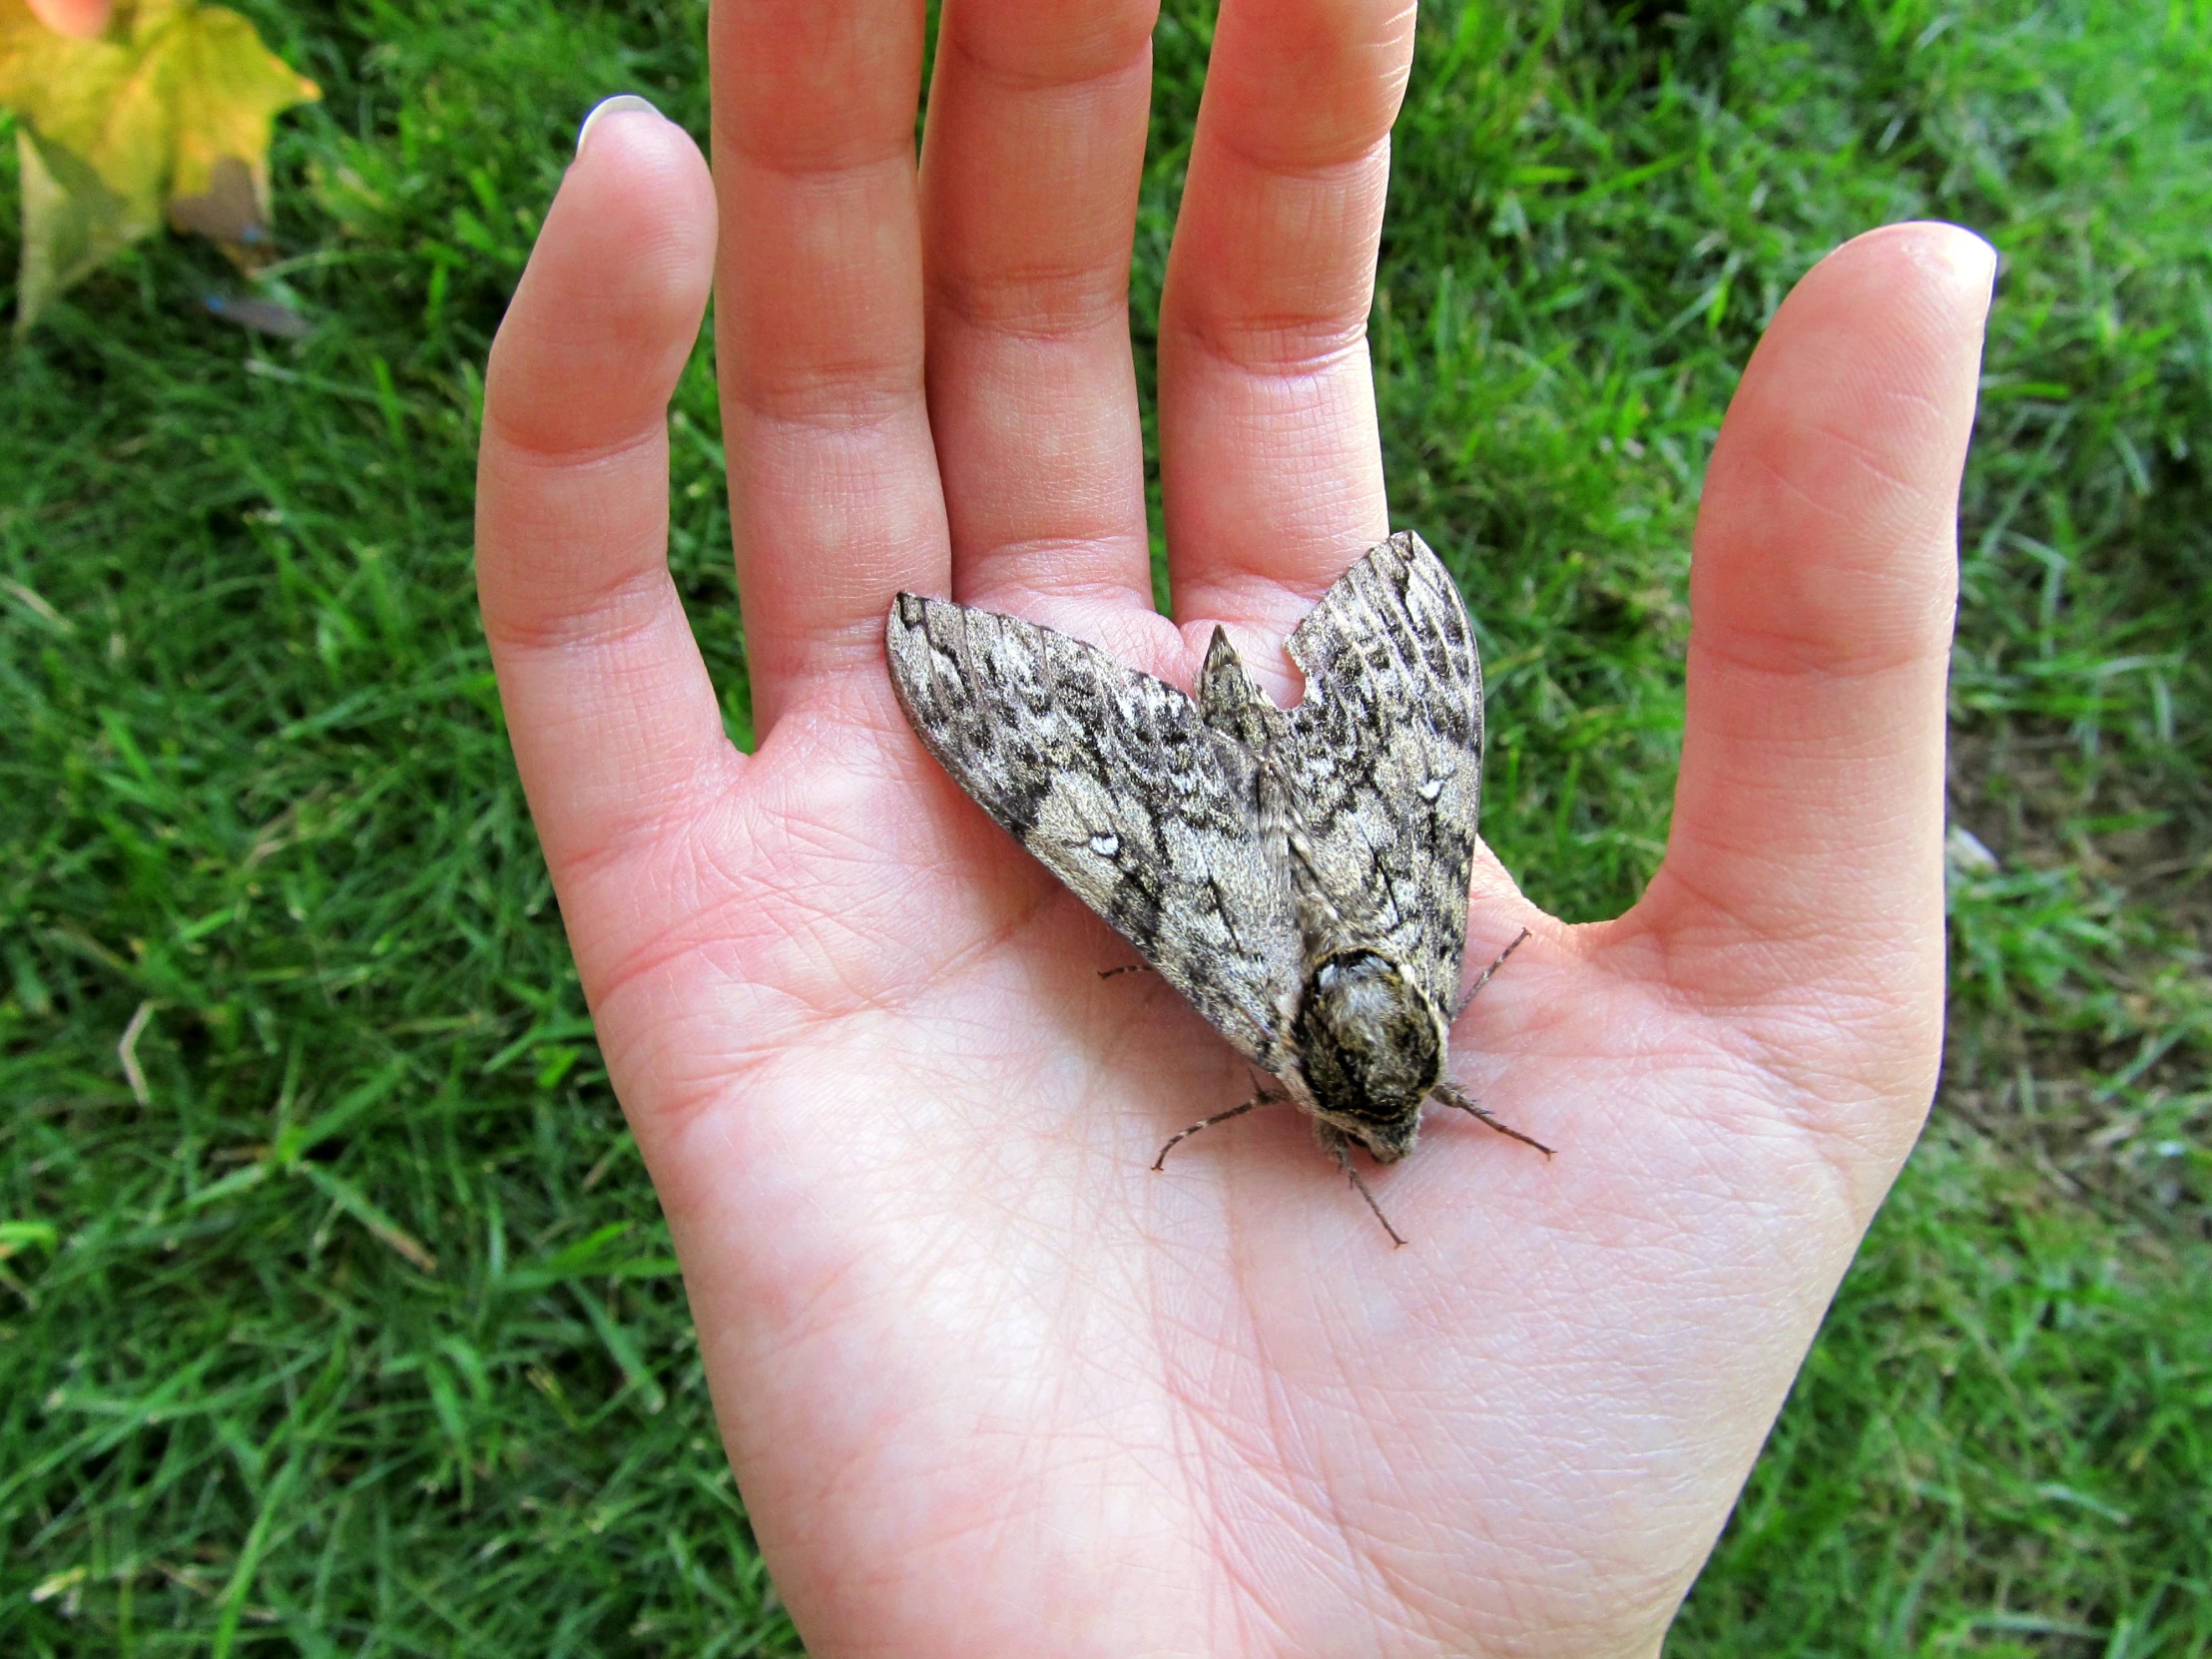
x,y
1117,786
1385,754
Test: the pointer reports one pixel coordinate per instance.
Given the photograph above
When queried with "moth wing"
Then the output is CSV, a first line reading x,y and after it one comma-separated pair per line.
x,y
1385,754
1110,778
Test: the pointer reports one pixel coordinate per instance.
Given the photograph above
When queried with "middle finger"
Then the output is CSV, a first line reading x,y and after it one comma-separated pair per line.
x,y
1029,175
1270,459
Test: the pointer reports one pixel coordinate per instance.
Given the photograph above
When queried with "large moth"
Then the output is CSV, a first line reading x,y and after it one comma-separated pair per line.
x,y
1301,876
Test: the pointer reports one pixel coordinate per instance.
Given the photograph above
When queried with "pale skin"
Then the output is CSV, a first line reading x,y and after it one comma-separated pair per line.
x,y
990,1384
82,18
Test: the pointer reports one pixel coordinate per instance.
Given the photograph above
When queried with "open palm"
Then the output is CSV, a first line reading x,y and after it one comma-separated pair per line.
x,y
990,1384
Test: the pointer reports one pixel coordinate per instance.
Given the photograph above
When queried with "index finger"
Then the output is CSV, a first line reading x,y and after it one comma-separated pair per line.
x,y
1270,459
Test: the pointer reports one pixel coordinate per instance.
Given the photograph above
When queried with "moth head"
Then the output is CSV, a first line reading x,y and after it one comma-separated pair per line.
x,y
1370,1045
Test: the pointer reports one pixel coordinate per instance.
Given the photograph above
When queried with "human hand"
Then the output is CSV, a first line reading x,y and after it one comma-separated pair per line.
x,y
990,1383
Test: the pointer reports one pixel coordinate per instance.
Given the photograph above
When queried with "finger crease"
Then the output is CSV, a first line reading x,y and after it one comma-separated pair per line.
x,y
1288,347
611,613
560,457
1042,304
1794,660
853,155
1063,566
1335,171
830,402
1007,77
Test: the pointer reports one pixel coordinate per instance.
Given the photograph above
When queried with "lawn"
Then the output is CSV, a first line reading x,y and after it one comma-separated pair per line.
x,y
335,1313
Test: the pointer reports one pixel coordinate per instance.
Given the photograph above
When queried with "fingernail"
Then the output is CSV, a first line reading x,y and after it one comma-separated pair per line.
x,y
1976,259
1956,249
619,102
1973,262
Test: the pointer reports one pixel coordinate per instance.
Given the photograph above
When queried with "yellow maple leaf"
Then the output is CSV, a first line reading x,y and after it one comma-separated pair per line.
x,y
169,112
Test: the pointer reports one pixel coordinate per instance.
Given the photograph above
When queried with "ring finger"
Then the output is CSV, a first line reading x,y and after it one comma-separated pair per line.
x,y
1030,169
1270,459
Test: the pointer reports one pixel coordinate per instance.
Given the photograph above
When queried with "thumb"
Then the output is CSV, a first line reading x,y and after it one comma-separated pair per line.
x,y
1808,821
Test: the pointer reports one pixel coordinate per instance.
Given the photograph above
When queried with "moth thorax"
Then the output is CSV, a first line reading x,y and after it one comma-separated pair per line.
x,y
1370,1047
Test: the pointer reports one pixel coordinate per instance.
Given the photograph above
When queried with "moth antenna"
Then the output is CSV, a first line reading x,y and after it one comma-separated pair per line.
x,y
1484,977
1452,1097
1344,1162
1126,967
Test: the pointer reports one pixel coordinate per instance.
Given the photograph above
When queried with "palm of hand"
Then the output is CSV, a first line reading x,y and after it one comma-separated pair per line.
x,y
963,1288
989,1382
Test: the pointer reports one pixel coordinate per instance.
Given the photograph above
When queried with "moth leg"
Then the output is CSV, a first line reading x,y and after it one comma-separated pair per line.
x,y
1452,1097
1265,1097
1344,1162
1127,967
1484,977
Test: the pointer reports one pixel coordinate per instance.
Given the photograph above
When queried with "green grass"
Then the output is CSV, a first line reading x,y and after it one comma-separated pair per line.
x,y
357,1332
